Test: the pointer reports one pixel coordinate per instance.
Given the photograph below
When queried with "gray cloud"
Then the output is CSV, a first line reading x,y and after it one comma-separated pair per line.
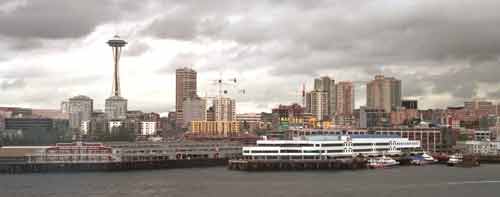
x,y
57,19
300,39
25,72
179,61
294,37
12,84
136,49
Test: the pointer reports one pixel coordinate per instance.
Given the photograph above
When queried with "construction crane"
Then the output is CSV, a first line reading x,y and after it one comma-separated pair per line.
x,y
224,86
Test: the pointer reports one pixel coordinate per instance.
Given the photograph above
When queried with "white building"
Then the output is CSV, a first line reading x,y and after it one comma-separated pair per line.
x,y
325,147
85,127
80,109
479,147
148,128
249,117
224,109
114,124
318,104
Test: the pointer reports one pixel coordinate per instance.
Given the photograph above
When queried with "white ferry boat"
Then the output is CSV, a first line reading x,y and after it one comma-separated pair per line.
x,y
329,147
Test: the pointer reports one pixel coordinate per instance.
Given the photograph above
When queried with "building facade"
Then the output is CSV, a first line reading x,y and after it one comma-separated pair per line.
x,y
224,109
148,128
383,93
116,108
80,109
319,105
479,147
215,128
185,87
345,98
113,125
194,109
250,121
369,118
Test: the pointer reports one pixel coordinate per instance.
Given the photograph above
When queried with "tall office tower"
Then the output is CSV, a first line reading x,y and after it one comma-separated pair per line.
x,y
224,109
80,109
185,87
323,83
308,102
326,84
345,98
383,93
194,109
116,106
319,105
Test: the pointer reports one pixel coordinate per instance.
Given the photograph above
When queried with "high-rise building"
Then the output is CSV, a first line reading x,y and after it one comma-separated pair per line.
x,y
185,87
194,109
225,109
326,84
80,109
322,101
308,102
383,93
319,105
116,106
345,98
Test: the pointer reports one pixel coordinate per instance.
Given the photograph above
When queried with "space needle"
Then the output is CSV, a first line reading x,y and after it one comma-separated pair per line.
x,y
116,106
116,45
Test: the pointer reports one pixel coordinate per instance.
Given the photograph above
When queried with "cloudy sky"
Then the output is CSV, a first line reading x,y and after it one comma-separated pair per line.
x,y
445,51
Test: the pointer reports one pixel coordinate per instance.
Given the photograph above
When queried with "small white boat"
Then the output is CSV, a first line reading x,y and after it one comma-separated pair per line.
x,y
382,162
423,159
429,158
455,159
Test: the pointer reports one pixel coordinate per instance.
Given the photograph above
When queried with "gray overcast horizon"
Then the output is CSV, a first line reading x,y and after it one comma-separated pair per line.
x,y
445,52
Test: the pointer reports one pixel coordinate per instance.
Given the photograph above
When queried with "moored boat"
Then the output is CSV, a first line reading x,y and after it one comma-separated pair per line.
x,y
455,160
423,159
382,162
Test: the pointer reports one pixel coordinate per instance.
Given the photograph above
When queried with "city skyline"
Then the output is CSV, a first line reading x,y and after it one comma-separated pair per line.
x,y
40,65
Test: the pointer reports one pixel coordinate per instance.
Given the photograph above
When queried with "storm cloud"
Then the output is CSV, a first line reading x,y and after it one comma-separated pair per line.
x,y
449,48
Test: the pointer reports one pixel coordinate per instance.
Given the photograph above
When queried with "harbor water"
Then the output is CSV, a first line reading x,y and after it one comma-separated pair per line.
x,y
435,180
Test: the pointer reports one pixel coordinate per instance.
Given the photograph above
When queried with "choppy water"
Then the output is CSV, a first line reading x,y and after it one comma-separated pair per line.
x,y
218,182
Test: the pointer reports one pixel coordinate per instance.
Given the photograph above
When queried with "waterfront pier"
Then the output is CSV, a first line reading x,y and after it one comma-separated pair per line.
x,y
291,165
18,168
